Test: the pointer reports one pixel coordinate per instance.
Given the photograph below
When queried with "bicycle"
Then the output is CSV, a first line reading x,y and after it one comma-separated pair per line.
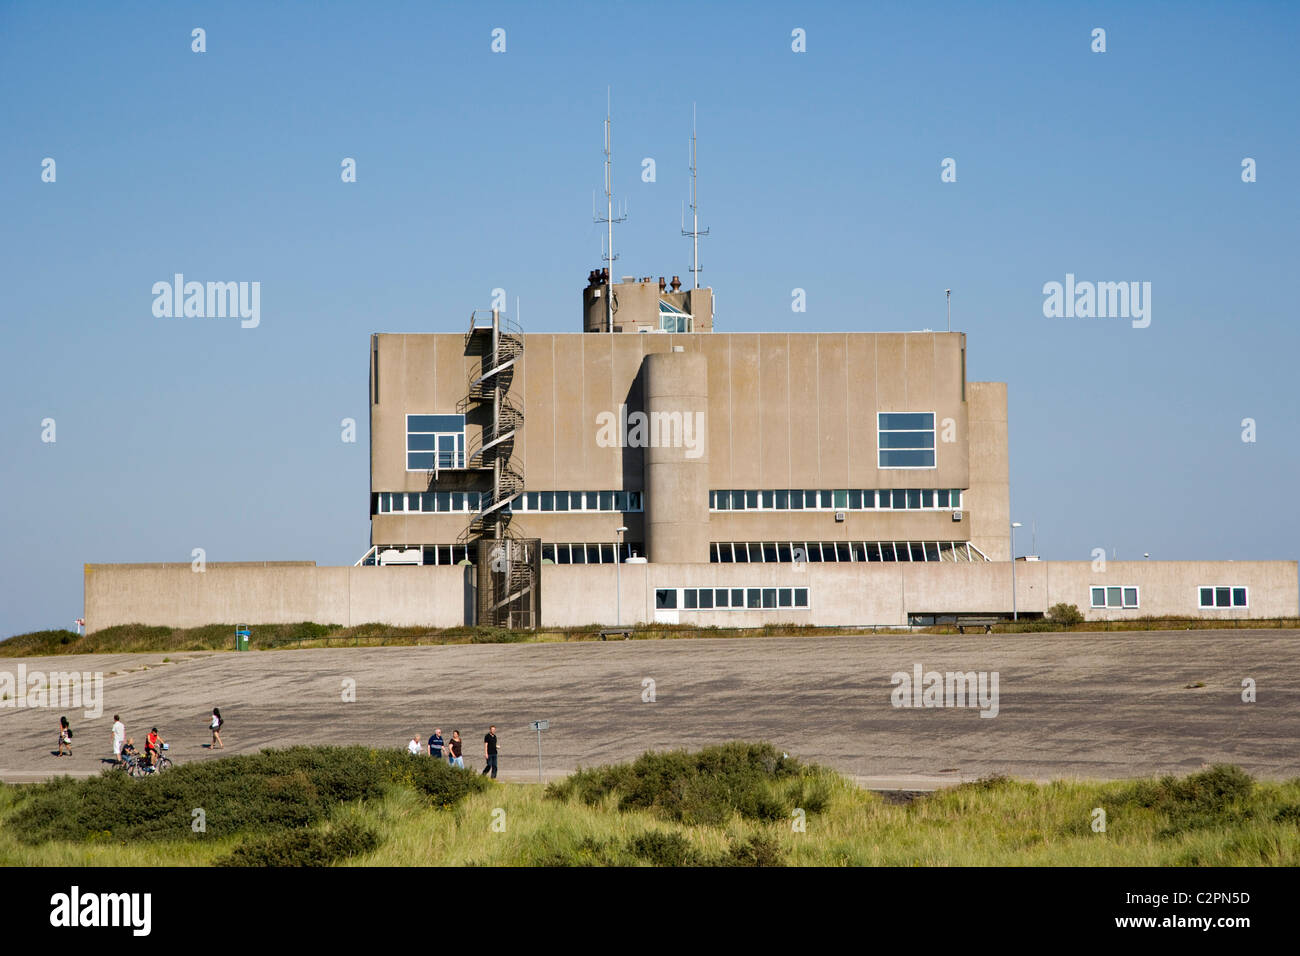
x,y
137,764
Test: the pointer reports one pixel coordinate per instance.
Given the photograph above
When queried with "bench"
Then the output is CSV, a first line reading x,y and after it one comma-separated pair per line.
x,y
625,631
973,621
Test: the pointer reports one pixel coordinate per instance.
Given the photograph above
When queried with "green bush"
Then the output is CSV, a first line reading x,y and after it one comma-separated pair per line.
x,y
759,850
1213,797
303,847
752,780
663,849
253,793
1066,615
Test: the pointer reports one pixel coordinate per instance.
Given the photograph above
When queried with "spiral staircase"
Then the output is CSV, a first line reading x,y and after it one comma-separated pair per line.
x,y
509,567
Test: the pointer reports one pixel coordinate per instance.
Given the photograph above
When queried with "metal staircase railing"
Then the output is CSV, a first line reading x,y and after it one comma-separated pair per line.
x,y
508,595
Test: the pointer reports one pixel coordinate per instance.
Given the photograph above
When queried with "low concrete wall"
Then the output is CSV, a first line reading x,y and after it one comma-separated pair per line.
x,y
574,595
274,593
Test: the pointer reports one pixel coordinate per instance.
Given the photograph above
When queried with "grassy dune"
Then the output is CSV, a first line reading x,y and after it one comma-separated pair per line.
x,y
140,638
724,806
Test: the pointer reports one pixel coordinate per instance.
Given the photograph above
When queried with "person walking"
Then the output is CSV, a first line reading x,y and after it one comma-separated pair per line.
x,y
454,748
414,746
119,737
215,727
65,736
490,752
436,743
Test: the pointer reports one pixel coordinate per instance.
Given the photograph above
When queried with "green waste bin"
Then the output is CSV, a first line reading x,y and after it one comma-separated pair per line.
x,y
242,636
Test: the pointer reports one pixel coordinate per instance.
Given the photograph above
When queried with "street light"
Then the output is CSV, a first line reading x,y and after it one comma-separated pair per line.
x,y
618,575
1015,615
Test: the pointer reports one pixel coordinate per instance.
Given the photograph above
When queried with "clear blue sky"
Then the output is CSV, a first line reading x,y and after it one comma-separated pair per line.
x,y
819,170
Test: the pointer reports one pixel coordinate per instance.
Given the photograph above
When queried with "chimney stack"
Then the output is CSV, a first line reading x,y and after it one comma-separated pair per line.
x,y
662,285
677,283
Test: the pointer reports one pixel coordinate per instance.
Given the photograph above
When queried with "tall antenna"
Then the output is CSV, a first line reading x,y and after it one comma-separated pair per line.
x,y
695,207
609,217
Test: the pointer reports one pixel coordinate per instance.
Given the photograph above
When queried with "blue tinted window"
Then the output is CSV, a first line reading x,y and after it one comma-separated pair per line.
x,y
907,459
903,421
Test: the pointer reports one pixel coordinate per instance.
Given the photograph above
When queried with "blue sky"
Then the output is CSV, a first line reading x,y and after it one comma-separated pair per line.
x,y
475,170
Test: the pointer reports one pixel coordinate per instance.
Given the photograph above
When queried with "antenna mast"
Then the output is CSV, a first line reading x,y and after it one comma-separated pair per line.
x,y
695,207
609,217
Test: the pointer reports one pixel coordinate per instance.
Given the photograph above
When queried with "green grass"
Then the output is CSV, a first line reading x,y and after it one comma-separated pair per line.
x,y
140,638
389,809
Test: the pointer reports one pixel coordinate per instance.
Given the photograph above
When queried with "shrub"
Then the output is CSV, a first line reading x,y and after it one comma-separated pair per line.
x,y
707,787
1213,797
663,849
1066,615
271,790
759,850
303,847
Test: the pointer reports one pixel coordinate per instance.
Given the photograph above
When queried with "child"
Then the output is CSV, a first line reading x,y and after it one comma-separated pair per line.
x,y
65,736
215,726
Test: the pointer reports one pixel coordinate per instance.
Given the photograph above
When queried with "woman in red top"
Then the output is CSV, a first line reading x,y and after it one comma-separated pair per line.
x,y
151,744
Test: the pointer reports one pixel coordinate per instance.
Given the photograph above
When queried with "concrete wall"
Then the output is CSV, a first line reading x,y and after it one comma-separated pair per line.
x,y
274,593
840,594
783,410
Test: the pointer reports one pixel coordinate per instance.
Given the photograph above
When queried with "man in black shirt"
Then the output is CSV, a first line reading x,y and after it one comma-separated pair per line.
x,y
490,751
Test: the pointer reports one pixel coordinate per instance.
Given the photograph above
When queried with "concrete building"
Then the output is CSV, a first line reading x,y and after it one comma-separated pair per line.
x,y
655,468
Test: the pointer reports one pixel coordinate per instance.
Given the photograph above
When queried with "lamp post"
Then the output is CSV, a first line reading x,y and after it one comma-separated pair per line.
x,y
1015,615
618,576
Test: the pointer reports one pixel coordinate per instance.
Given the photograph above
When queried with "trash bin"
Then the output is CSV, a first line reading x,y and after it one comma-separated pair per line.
x,y
242,636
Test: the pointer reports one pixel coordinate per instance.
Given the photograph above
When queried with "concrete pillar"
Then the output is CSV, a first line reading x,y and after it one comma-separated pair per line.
x,y
677,458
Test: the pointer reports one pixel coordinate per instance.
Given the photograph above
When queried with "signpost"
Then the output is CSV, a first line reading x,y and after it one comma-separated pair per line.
x,y
539,726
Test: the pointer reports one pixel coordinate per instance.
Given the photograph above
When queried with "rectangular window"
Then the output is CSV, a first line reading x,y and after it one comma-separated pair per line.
x,y
840,500
720,596
785,598
800,597
435,441
1223,597
753,597
782,501
769,597
751,499
855,500
796,499
913,498
1130,597
442,501
665,598
769,500
1098,597
905,439
1238,597
737,597
690,600
706,599
941,497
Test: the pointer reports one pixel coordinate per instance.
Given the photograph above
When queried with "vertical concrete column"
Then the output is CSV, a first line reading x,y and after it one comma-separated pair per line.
x,y
677,458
